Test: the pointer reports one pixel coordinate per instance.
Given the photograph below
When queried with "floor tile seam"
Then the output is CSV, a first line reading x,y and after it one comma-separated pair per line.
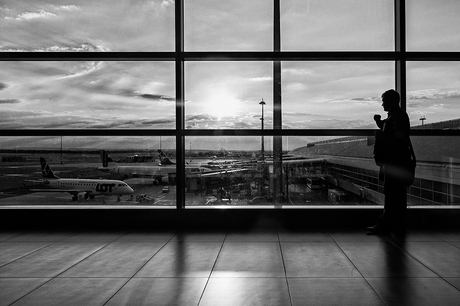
x,y
67,236
345,254
451,243
324,276
392,241
121,235
78,262
248,277
138,270
212,269
284,267
414,258
159,239
170,277
35,289
150,258
404,277
446,279
447,239
21,257
92,277
121,287
249,242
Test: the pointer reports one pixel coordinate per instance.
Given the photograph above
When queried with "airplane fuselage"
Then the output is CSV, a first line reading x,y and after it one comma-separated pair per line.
x,y
90,186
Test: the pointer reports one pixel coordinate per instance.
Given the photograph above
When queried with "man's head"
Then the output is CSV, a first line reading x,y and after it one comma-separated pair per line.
x,y
390,99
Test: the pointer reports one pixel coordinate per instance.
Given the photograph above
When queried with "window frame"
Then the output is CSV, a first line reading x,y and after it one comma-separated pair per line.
x,y
399,57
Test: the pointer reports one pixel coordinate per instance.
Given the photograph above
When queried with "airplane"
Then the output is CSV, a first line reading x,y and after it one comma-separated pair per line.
x,y
164,160
159,173
75,186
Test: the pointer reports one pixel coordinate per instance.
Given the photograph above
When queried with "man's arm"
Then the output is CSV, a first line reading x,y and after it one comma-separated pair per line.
x,y
378,120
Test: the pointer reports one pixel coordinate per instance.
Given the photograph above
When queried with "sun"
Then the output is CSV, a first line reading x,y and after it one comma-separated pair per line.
x,y
221,103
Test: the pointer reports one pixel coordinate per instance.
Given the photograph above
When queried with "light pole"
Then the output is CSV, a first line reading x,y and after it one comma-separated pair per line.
x,y
422,119
262,179
262,120
61,150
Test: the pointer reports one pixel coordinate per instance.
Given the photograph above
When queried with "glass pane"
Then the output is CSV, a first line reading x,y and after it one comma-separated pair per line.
x,y
314,171
438,170
317,171
433,25
337,25
68,95
227,95
230,25
334,95
128,173
433,91
232,171
79,26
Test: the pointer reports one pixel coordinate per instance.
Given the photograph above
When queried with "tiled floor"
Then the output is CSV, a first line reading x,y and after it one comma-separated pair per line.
x,y
269,266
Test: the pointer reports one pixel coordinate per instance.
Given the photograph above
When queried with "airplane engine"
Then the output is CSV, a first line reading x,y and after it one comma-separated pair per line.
x,y
82,195
165,180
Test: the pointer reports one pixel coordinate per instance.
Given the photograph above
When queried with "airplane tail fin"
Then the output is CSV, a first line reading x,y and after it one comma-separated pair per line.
x,y
164,160
106,159
46,170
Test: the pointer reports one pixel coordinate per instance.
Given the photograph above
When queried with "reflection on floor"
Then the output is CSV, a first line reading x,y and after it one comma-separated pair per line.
x,y
260,266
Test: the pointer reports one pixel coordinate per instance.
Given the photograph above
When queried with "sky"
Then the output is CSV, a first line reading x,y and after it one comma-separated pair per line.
x,y
220,95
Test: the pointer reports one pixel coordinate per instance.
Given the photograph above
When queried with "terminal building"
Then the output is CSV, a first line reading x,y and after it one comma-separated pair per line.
x,y
349,165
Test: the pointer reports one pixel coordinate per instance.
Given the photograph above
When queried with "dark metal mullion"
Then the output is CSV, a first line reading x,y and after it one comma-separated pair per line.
x,y
277,107
180,105
400,48
192,132
228,56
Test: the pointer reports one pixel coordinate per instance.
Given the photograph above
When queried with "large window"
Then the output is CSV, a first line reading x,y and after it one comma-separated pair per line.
x,y
87,95
226,95
181,104
333,95
433,25
330,25
86,26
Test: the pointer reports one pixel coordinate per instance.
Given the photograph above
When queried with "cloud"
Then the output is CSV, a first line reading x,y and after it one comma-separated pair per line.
x,y
84,69
67,8
83,47
433,94
300,114
167,3
261,79
78,47
161,98
32,15
47,13
9,101
158,121
366,99
201,117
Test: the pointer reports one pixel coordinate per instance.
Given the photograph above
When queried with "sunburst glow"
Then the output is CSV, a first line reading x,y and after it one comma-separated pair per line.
x,y
222,103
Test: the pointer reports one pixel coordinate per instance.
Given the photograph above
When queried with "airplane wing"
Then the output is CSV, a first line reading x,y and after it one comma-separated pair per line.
x,y
223,172
142,175
72,191
300,161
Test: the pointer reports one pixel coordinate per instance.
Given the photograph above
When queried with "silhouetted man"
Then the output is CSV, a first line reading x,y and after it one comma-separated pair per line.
x,y
391,153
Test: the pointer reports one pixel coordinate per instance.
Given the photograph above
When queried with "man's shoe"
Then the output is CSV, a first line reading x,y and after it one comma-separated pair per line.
x,y
378,230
